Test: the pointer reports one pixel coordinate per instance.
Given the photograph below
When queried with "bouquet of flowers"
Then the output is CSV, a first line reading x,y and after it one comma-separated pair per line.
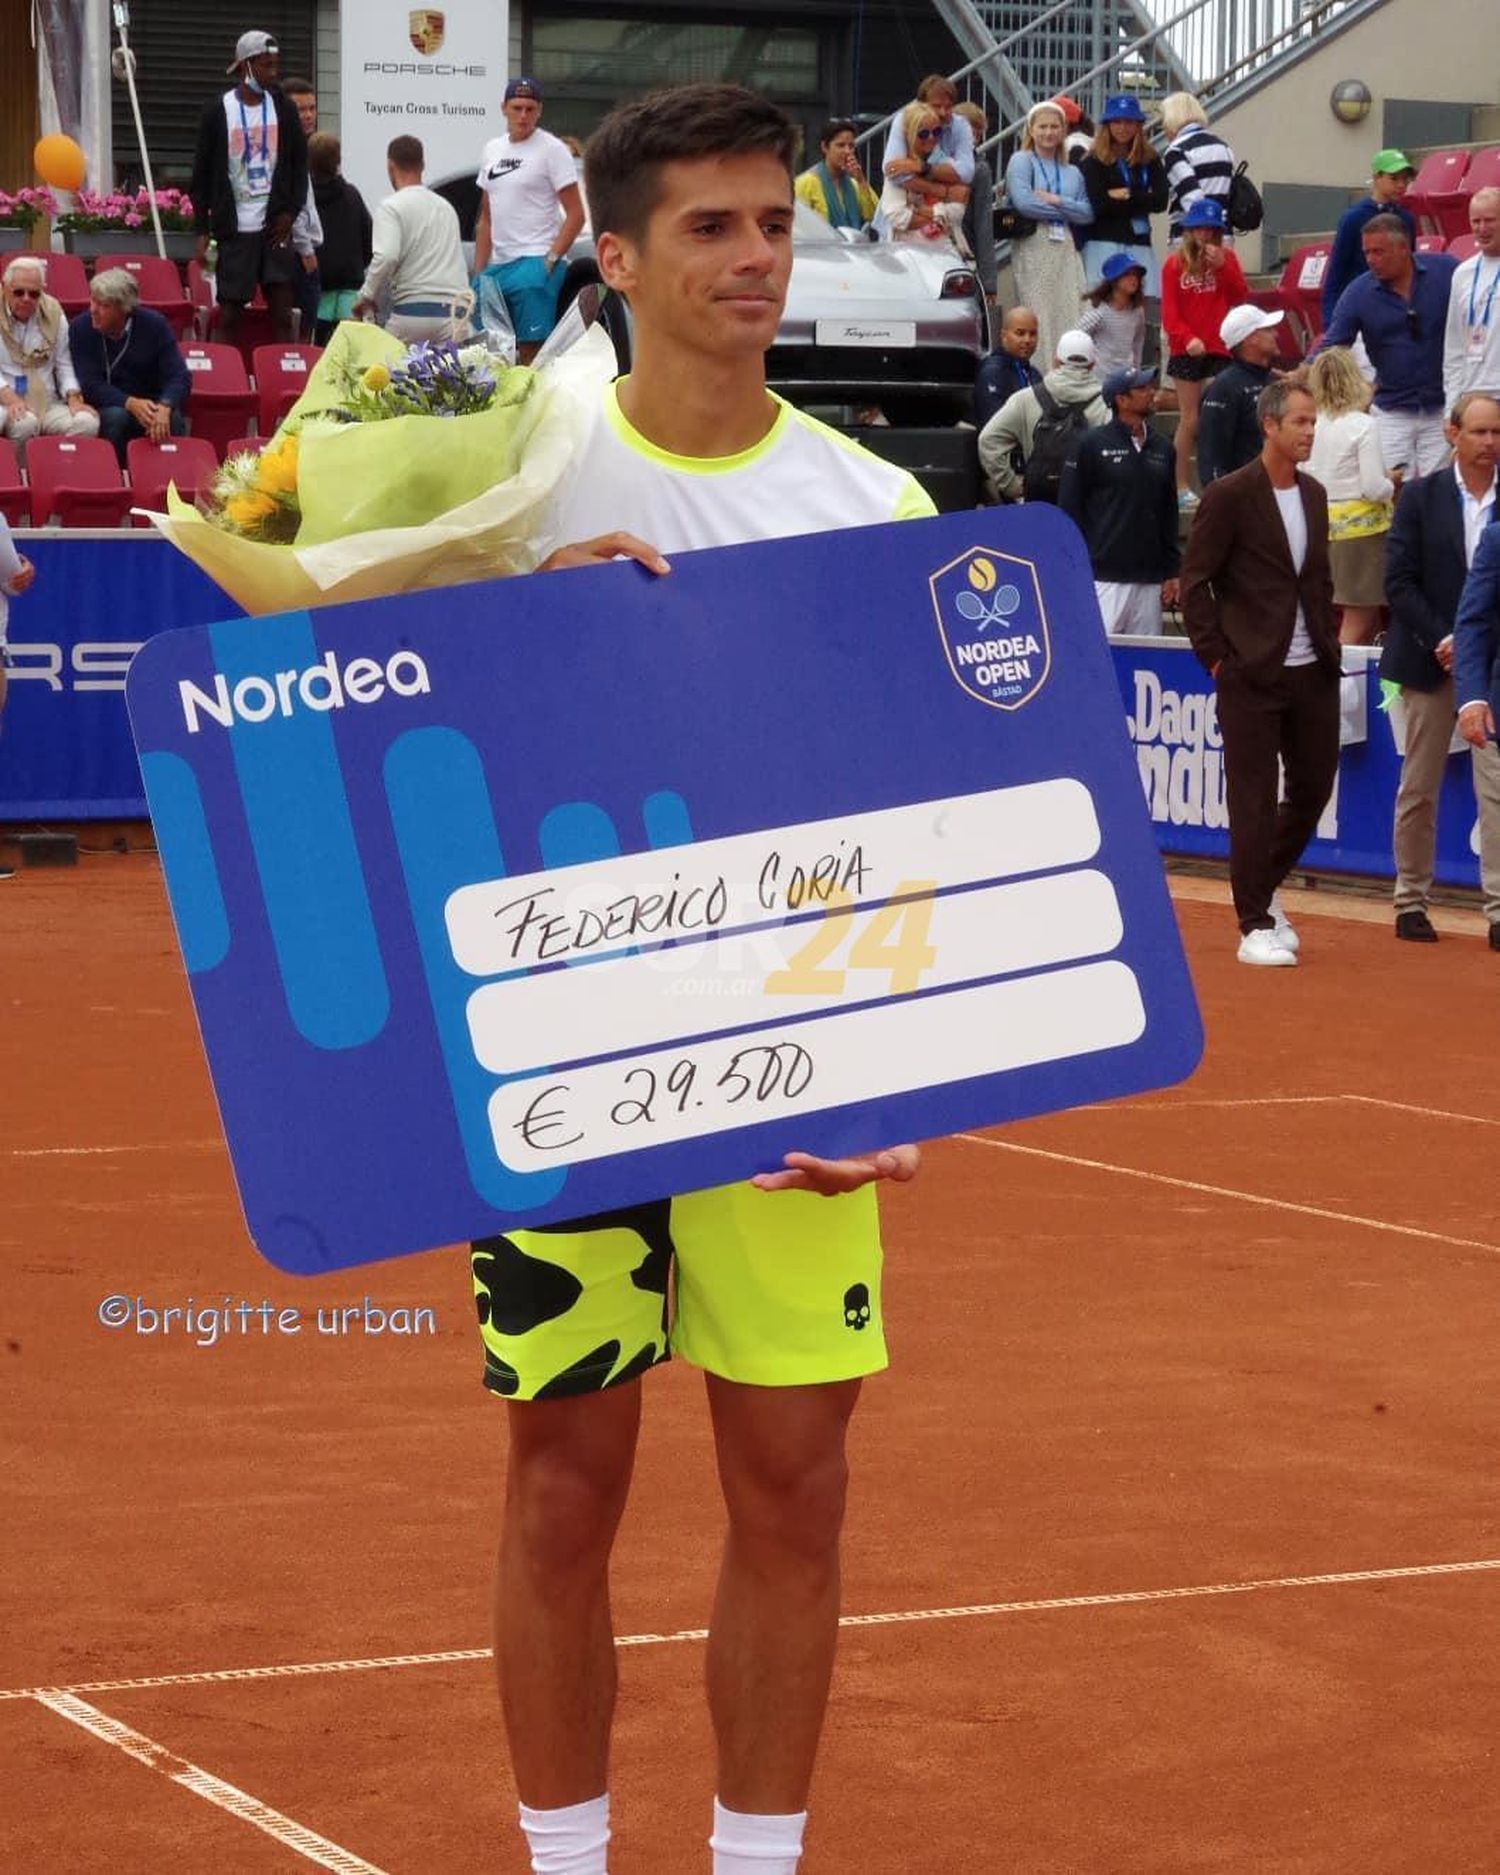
x,y
25,207
93,213
395,470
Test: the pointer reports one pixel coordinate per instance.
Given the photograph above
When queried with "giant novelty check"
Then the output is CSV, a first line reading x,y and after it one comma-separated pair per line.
x,y
519,902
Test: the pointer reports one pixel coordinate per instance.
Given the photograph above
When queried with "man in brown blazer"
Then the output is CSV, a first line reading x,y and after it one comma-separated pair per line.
x,y
1257,597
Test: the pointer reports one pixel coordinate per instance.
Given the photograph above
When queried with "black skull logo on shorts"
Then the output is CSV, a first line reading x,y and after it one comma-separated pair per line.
x,y
857,1307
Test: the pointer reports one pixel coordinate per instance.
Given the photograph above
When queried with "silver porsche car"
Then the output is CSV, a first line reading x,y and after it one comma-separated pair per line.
x,y
901,325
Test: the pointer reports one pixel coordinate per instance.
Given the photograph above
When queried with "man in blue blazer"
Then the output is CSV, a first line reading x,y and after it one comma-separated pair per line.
x,y
1439,522
1476,665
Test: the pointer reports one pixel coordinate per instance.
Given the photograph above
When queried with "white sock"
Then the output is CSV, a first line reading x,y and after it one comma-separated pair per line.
x,y
571,1841
756,1845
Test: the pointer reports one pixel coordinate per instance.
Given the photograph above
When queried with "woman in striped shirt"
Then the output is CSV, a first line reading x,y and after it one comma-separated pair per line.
x,y
1199,165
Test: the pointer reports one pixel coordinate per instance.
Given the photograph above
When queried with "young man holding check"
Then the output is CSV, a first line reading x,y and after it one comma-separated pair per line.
x,y
691,195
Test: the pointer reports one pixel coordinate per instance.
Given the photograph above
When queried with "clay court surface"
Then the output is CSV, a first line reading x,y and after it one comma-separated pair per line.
x,y
1174,1542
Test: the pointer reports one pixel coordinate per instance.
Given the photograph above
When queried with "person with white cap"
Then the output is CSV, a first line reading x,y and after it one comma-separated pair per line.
x,y
530,214
1121,489
1040,427
1229,431
249,184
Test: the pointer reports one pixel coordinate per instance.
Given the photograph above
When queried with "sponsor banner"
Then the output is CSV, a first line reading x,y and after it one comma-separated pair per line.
x,y
65,747
1173,721
437,73
596,887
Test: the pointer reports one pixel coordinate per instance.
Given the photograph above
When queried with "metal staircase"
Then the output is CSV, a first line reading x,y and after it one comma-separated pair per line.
x,y
1218,49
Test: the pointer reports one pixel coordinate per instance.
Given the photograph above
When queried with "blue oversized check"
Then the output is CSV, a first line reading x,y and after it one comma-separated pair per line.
x,y
519,902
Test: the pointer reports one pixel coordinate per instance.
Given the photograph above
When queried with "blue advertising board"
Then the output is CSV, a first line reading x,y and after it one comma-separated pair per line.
x,y
523,901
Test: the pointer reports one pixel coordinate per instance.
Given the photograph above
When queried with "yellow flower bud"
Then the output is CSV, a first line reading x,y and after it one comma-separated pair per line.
x,y
376,378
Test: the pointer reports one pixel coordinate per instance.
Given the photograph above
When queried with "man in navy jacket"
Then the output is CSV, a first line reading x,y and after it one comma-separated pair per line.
x,y
128,363
1476,671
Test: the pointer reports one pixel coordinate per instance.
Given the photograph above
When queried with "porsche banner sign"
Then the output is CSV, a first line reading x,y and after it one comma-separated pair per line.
x,y
436,73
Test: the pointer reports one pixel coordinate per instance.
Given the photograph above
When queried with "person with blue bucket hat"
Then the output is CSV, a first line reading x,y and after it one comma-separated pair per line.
x,y
1126,184
1201,281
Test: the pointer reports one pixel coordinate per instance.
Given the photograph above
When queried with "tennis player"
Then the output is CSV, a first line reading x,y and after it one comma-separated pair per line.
x,y
771,1287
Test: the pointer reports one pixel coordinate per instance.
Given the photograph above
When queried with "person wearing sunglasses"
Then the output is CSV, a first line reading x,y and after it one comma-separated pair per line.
x,y
39,389
916,204
1400,309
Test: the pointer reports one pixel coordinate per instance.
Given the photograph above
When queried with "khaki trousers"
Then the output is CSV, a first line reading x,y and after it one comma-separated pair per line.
x,y
1429,730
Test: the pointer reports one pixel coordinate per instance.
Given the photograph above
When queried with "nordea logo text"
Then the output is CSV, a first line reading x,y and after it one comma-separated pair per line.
x,y
321,687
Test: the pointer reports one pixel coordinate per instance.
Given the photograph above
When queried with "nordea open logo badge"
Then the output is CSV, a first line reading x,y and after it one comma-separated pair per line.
x,y
994,630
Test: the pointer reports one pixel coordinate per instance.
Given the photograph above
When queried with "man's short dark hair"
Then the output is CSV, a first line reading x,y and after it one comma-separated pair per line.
x,y
623,162
406,153
1390,225
299,87
1270,406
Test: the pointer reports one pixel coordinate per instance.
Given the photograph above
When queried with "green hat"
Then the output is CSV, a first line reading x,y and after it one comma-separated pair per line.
x,y
1391,163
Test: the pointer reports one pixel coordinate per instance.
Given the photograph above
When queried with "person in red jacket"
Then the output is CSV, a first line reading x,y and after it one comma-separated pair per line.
x,y
1200,282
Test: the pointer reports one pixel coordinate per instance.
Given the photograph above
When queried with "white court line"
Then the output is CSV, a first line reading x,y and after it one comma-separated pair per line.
x,y
966,1612
1226,1191
304,1842
108,1152
1431,1113
1178,1106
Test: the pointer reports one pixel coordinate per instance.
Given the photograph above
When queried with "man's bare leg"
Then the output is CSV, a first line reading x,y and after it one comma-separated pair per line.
x,y
775,1621
570,1467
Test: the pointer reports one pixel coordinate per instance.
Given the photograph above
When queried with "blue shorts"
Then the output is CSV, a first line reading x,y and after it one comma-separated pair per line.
x,y
531,296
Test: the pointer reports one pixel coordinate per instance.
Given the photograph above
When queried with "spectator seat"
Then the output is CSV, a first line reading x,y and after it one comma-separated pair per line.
x,y
255,321
190,462
15,502
245,446
1483,173
66,280
1294,337
1463,247
77,480
281,373
1436,197
1301,285
222,403
1432,244
159,284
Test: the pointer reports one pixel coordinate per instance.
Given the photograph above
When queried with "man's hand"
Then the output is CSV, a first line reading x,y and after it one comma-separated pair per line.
x,y
1476,724
1443,652
20,581
75,402
829,1178
603,549
279,232
309,263
1171,591
363,309
155,419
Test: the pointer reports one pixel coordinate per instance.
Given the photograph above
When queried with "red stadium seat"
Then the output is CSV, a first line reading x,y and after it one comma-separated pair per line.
x,y
77,480
1436,197
159,283
66,280
1463,247
222,403
245,446
1301,283
281,373
15,502
255,321
1432,244
187,462
1483,173
1293,338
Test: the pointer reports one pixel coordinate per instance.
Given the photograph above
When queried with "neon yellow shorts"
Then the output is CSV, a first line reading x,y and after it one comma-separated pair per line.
x,y
776,1289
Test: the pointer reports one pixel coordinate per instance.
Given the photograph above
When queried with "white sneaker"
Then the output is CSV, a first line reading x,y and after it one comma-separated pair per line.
x,y
1265,947
1286,936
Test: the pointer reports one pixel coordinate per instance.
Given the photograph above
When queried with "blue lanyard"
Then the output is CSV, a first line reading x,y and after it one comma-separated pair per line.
x,y
1131,176
1054,181
265,129
1489,298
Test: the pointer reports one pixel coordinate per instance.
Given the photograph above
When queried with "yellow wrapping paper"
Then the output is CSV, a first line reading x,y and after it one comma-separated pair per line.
x,y
514,464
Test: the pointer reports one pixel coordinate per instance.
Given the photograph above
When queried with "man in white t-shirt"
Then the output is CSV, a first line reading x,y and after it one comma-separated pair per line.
x,y
530,213
1257,600
1471,340
691,193
416,277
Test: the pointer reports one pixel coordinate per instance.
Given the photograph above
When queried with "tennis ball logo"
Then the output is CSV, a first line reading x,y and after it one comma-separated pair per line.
x,y
982,575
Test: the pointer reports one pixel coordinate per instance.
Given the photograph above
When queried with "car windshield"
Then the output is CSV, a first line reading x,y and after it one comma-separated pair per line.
x,y
809,228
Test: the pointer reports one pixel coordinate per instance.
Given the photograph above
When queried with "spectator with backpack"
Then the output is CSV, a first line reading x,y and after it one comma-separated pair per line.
x,y
1043,426
1199,165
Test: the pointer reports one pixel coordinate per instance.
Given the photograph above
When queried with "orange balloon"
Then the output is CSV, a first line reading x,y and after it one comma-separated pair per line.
x,y
60,162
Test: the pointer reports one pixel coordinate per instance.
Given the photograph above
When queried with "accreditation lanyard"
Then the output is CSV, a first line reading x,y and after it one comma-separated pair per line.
x,y
1489,298
124,346
1136,179
1055,229
257,174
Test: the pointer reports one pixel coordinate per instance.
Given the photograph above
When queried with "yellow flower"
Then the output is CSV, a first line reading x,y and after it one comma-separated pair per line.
x,y
247,511
376,378
278,468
